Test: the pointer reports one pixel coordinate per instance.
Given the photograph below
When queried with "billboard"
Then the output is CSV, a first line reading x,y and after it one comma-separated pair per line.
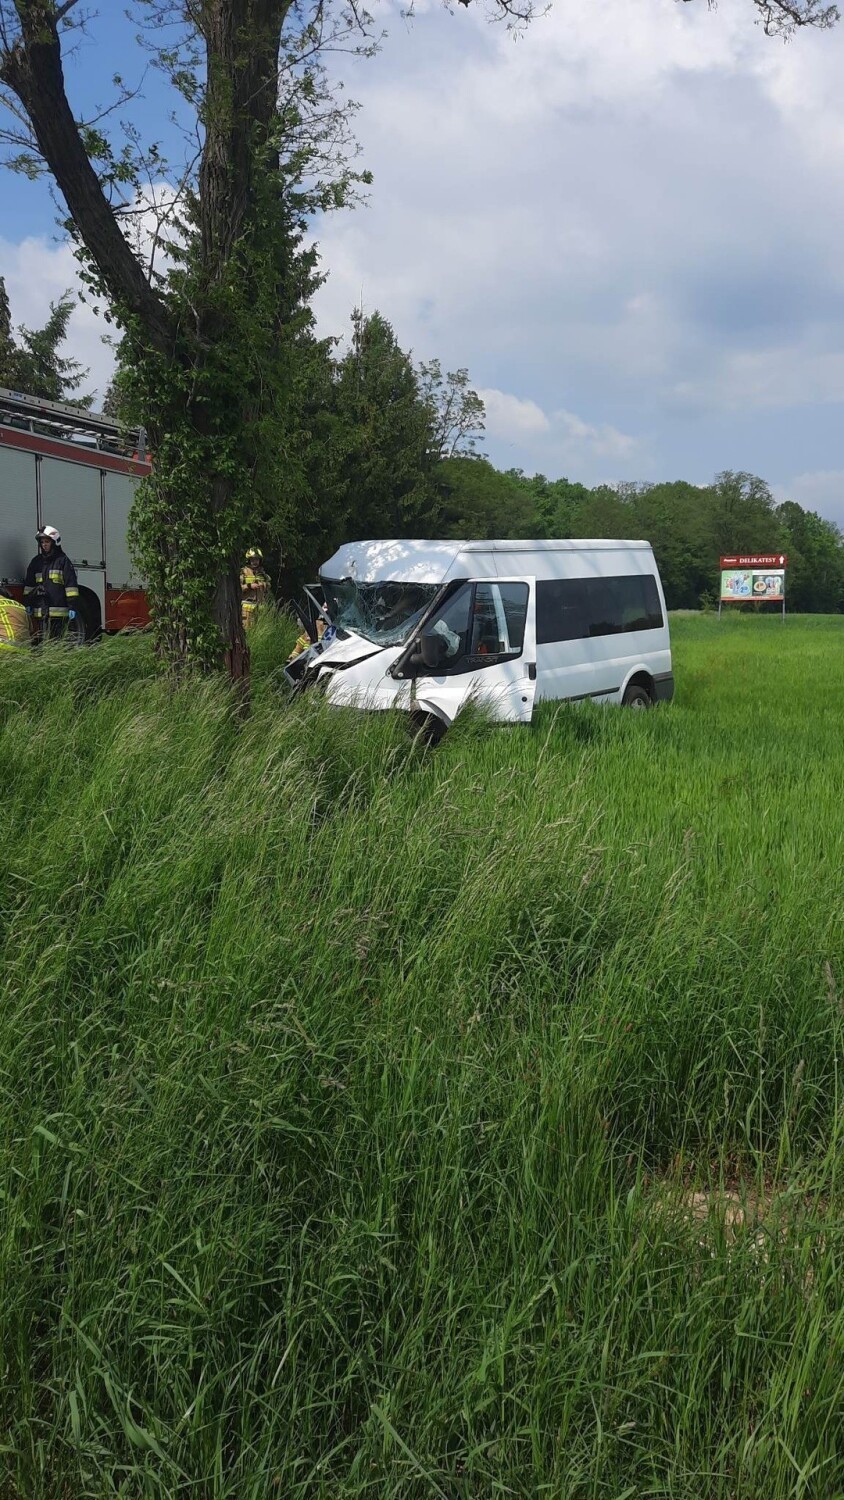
x,y
758,577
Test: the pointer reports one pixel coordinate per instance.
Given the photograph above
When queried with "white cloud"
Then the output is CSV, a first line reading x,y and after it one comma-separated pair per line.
x,y
631,217
554,442
766,380
562,436
601,440
38,272
509,417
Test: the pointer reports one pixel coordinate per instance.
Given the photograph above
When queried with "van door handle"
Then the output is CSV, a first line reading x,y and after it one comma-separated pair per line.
x,y
532,671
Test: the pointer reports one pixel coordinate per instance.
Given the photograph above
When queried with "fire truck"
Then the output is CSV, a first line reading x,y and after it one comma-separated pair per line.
x,y
76,471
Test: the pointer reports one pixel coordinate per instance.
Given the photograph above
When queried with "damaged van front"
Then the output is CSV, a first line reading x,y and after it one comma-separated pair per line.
x,y
370,626
410,630
375,595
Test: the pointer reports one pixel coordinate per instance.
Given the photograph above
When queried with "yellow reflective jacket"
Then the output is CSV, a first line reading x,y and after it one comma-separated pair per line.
x,y
254,585
304,641
14,625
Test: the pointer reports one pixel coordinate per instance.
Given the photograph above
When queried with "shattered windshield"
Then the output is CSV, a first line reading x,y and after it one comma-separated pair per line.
x,y
385,613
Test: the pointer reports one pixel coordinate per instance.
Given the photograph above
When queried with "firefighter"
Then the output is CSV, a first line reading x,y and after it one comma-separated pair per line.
x,y
303,641
254,585
51,591
14,624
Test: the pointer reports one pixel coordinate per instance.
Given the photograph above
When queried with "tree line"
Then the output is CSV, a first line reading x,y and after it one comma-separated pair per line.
x,y
377,444
390,448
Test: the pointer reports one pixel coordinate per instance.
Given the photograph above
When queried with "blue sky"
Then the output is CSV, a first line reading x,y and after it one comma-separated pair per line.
x,y
627,224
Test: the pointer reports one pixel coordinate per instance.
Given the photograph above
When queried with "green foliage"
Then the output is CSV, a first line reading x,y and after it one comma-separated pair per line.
x,y
364,455
354,1098
815,563
361,452
477,500
385,465
558,503
112,402
34,363
7,346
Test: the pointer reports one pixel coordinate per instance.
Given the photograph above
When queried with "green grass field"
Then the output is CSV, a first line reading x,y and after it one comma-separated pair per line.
x,y
387,1122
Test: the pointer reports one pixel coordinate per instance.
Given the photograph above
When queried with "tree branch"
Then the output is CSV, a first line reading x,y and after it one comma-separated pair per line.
x,y
32,69
782,17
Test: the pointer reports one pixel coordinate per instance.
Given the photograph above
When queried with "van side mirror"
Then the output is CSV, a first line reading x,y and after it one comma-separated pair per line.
x,y
433,648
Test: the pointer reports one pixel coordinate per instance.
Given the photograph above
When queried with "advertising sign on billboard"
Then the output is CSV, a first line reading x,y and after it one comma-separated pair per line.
x,y
758,577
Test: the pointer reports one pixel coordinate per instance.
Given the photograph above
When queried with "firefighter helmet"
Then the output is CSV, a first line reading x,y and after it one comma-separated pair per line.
x,y
50,532
254,552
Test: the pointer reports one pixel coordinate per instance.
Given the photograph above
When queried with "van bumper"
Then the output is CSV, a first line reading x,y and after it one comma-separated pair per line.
x,y
663,687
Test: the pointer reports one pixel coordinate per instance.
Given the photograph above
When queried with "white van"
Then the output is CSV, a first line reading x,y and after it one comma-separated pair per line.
x,y
425,626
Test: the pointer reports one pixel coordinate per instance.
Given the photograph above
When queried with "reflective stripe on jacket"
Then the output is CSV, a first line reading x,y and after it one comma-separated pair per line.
x,y
14,626
51,586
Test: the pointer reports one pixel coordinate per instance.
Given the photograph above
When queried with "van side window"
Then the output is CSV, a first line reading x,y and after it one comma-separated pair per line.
x,y
562,610
482,623
498,619
514,602
622,605
575,609
453,622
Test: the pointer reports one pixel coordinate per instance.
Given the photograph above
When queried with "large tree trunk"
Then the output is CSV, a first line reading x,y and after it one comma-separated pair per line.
x,y
242,40
227,608
228,617
182,527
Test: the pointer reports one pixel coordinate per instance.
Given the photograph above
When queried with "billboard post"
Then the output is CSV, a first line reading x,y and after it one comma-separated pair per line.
x,y
753,576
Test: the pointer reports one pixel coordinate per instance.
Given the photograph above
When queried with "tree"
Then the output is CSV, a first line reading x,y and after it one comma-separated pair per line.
x,y
815,550
458,415
744,515
559,504
384,439
35,365
782,17
363,456
8,350
54,376
206,339
677,519
112,402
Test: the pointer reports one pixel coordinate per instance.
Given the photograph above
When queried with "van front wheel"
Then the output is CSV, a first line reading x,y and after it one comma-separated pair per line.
x,y
427,728
637,696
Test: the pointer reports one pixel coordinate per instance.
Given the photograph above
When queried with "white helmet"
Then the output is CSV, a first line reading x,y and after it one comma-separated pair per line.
x,y
49,531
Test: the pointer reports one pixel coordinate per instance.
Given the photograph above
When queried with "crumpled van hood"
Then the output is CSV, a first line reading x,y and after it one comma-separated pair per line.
x,y
342,653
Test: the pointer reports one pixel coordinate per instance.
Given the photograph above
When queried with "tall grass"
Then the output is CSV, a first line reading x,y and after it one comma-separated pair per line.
x,y
369,1112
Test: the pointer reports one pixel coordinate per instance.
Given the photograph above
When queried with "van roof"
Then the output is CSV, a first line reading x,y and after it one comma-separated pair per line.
x,y
420,561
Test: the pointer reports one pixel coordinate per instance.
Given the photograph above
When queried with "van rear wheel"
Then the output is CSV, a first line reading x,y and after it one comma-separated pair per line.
x,y
637,696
